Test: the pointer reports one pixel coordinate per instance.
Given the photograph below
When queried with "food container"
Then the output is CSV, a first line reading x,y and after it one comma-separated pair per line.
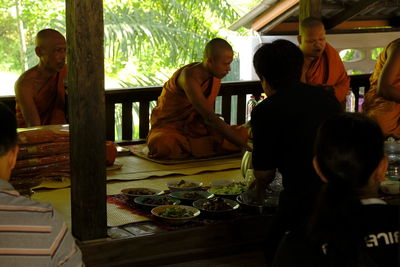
x,y
266,206
216,207
184,185
390,187
171,218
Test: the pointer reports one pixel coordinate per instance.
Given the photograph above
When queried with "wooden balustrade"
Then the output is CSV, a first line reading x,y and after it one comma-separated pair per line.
x,y
144,95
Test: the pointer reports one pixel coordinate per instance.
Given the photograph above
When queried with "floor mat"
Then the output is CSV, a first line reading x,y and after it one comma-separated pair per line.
x,y
141,150
136,168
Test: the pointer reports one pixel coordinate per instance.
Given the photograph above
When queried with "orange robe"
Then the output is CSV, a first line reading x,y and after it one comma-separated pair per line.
x,y
177,129
385,112
328,69
49,101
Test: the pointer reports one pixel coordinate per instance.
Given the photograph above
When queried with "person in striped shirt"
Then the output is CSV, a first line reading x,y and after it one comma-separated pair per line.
x,y
31,233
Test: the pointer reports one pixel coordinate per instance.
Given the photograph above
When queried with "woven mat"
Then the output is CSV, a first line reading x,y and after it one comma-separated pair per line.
x,y
141,151
137,168
120,211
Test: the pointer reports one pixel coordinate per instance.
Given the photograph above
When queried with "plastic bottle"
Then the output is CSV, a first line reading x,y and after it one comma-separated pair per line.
x,y
350,101
360,98
250,105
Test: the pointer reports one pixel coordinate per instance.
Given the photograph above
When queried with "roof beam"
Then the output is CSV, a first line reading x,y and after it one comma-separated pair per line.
x,y
348,13
272,13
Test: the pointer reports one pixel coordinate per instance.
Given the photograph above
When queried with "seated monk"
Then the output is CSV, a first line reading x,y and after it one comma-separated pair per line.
x,y
322,63
382,101
40,92
183,124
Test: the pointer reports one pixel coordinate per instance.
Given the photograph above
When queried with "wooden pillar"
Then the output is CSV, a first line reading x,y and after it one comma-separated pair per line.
x,y
85,34
310,8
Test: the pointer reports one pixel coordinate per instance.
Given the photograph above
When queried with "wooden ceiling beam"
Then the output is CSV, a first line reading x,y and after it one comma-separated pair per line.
x,y
348,13
272,13
291,28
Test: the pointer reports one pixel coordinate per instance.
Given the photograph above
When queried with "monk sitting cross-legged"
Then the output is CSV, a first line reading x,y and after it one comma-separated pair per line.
x,y
184,124
382,101
322,63
40,93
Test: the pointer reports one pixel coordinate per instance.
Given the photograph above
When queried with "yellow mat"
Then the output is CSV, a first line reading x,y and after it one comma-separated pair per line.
x,y
136,168
118,217
61,201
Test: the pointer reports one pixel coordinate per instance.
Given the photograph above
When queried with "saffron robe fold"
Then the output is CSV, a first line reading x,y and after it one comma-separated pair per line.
x,y
178,130
385,112
329,70
49,101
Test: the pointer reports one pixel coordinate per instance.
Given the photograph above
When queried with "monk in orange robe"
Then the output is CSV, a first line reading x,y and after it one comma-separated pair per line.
x,y
40,92
322,63
382,101
184,124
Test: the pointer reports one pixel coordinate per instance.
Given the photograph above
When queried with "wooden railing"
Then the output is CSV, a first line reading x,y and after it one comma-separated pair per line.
x,y
143,96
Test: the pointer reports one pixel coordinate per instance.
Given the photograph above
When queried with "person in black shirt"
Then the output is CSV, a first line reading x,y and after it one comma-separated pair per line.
x,y
350,225
284,127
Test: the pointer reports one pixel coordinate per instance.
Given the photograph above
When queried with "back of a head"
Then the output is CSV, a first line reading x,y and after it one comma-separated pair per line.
x,y
215,47
348,148
308,23
280,63
8,133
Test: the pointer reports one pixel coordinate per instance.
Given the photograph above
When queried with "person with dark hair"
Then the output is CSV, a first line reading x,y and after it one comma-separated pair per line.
x,y
322,63
39,91
350,225
184,124
382,101
31,233
284,127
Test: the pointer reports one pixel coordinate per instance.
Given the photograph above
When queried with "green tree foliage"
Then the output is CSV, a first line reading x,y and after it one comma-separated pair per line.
x,y
157,37
145,40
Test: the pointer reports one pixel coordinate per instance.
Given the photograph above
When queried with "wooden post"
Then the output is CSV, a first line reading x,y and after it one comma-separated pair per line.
x,y
309,8
85,34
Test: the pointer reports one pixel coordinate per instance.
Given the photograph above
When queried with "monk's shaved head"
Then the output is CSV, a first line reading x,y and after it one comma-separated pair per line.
x,y
310,22
216,47
45,35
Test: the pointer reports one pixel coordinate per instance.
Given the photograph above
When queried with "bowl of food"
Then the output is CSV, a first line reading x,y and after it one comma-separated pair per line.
x,y
390,187
175,214
216,207
190,196
184,185
149,202
132,193
228,190
250,204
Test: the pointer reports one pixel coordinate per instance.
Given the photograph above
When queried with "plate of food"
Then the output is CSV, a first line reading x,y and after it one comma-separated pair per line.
x,y
183,185
140,191
258,206
175,214
229,190
216,206
155,201
190,196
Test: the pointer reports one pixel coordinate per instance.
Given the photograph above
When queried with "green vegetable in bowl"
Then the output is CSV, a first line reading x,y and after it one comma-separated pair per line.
x,y
176,212
234,188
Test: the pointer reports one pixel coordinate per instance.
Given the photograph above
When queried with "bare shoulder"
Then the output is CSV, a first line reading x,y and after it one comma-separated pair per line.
x,y
191,74
27,79
394,47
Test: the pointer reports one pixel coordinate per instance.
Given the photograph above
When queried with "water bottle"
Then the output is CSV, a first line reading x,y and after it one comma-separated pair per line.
x,y
360,98
250,105
350,101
